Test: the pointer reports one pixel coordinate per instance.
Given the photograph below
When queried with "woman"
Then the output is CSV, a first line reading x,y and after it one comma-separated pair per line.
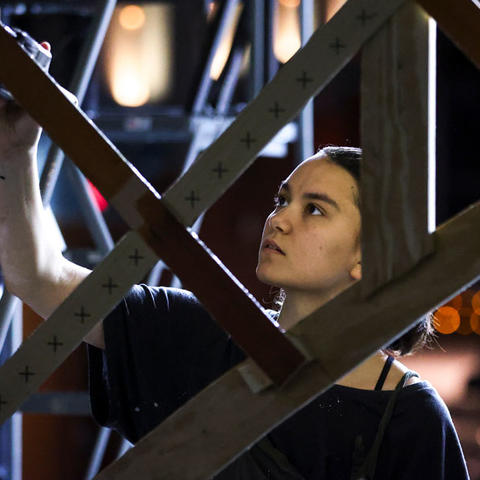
x,y
361,428
159,347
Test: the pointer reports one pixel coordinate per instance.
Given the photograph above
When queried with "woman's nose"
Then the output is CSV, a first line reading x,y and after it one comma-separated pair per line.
x,y
280,221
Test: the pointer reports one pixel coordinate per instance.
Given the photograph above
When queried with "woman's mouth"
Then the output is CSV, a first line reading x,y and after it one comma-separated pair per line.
x,y
270,245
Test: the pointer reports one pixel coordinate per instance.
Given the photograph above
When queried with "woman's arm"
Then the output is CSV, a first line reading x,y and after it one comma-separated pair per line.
x,y
33,267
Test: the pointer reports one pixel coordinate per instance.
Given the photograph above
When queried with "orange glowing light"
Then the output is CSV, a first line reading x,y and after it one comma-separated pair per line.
x,y
221,56
138,63
456,302
476,303
286,32
332,7
475,323
446,320
132,17
289,3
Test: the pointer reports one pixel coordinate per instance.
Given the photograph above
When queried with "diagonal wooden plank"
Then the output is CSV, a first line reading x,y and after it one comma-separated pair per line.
x,y
396,146
306,74
460,20
226,418
55,339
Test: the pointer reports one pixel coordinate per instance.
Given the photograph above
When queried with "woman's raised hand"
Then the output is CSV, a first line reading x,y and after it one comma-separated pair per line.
x,y
19,133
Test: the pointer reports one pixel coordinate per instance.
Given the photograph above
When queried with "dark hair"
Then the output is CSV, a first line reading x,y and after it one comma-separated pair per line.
x,y
422,333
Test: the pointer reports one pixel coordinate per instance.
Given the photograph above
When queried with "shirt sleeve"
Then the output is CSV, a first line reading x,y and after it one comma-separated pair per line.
x,y
425,444
161,348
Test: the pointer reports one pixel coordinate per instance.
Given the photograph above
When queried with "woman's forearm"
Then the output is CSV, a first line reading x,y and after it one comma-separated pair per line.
x,y
32,264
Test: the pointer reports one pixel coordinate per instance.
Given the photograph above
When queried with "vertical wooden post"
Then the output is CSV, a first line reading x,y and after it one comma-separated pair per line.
x,y
395,139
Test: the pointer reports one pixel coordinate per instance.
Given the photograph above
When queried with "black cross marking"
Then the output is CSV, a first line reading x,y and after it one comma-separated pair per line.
x,y
219,170
55,343
304,79
2,402
110,285
83,314
337,46
364,17
248,140
192,199
26,373
276,110
136,257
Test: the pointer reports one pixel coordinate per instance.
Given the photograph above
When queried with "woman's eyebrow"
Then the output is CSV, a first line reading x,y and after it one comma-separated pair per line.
x,y
323,197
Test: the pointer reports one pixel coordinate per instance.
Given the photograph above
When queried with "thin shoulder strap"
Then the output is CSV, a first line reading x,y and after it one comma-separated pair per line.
x,y
367,470
383,375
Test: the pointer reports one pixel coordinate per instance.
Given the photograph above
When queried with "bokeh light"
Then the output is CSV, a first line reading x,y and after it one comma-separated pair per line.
x,y
446,320
475,322
286,31
226,42
132,17
476,303
289,3
456,302
138,61
464,328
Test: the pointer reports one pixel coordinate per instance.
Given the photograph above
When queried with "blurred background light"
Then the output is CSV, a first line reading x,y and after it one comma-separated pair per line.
x,y
221,55
476,303
446,320
286,30
132,17
138,54
475,323
332,7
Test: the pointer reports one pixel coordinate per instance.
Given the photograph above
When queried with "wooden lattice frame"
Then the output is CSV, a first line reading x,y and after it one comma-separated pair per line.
x,y
353,323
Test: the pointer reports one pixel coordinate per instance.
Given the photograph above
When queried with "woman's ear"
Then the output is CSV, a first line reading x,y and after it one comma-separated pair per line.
x,y
356,271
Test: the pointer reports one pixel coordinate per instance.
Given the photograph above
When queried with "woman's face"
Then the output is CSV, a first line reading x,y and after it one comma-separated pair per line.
x,y
310,241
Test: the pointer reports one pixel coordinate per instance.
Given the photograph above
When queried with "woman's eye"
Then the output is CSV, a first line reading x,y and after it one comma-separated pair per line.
x,y
279,201
314,210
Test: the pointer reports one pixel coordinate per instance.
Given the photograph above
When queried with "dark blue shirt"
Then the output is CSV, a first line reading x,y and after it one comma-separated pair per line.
x,y
162,347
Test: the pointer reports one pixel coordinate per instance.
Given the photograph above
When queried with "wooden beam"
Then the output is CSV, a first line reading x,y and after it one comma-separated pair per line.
x,y
460,20
225,418
394,131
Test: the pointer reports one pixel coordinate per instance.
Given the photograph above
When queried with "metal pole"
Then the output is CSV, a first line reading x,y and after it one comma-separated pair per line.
x,y
9,304
305,122
226,15
231,76
11,430
78,86
257,52
271,63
